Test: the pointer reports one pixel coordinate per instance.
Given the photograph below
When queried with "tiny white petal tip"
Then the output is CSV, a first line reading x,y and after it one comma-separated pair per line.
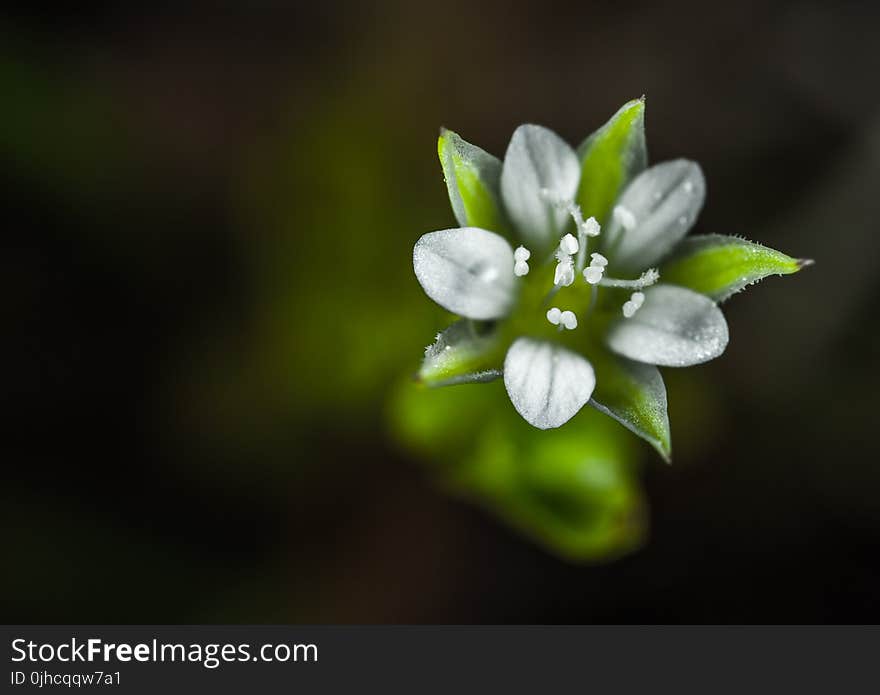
x,y
598,259
520,268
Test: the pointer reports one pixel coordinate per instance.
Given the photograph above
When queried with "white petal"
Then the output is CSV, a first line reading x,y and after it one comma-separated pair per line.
x,y
468,271
538,159
547,384
675,327
664,202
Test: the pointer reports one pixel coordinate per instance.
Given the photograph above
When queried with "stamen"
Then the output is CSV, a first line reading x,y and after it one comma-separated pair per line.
x,y
648,278
634,303
576,215
593,274
591,227
520,256
585,228
564,274
563,319
624,217
568,244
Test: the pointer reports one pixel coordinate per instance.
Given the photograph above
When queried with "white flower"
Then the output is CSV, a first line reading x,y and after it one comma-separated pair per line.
x,y
476,274
548,316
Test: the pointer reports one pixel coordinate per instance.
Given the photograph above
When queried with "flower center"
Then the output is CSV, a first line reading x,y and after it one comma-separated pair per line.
x,y
570,257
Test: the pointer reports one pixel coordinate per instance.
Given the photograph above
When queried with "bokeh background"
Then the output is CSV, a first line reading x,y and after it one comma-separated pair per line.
x,y
211,314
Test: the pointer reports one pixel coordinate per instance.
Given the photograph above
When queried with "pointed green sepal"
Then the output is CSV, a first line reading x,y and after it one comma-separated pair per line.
x,y
720,266
610,158
472,179
633,394
466,352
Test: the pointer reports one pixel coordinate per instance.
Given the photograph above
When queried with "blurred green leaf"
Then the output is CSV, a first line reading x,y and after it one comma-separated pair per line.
x,y
472,178
573,489
720,266
464,352
633,394
441,425
610,158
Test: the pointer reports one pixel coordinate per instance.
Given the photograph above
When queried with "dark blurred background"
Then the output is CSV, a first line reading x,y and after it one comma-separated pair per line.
x,y
210,213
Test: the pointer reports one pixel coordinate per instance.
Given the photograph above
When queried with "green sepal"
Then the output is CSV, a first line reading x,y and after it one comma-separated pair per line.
x,y
465,352
719,266
633,394
473,180
610,158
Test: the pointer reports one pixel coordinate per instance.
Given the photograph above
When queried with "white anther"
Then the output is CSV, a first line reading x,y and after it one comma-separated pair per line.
x,y
568,244
635,302
521,254
593,274
598,260
564,275
569,320
554,316
520,268
624,217
591,227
